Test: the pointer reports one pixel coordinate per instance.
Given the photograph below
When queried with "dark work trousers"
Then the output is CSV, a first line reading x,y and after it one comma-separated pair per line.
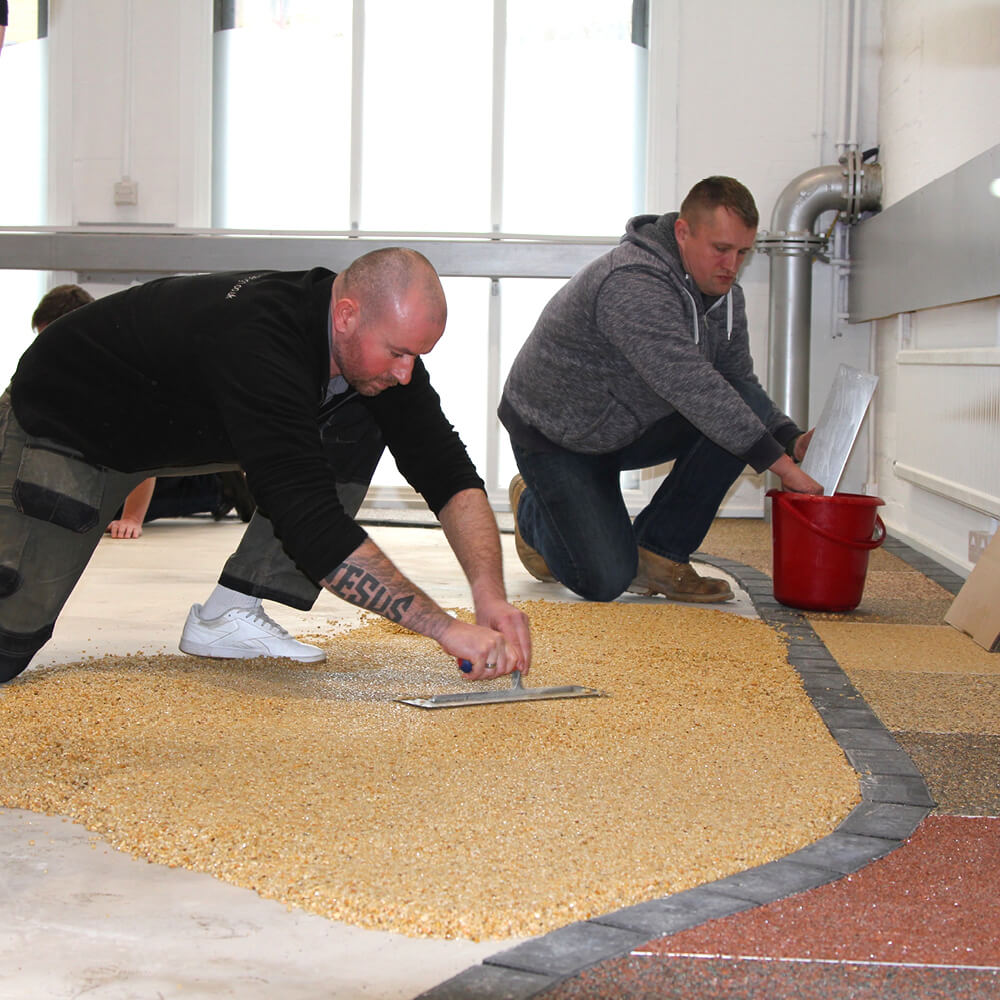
x,y
260,567
55,507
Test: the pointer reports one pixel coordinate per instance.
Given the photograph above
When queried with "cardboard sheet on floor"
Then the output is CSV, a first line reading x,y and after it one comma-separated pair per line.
x,y
976,610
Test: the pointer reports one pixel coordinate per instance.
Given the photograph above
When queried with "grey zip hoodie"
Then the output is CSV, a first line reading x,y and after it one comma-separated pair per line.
x,y
627,341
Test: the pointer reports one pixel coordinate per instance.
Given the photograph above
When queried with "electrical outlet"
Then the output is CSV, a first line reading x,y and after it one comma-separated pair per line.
x,y
978,540
126,192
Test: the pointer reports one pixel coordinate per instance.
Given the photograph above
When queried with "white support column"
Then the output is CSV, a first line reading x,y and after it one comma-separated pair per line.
x,y
499,105
661,128
357,109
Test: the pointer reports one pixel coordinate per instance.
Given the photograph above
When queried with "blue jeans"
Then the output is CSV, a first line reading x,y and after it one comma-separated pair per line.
x,y
573,513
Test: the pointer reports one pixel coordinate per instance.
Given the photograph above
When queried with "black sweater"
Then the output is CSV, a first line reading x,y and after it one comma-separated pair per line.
x,y
228,367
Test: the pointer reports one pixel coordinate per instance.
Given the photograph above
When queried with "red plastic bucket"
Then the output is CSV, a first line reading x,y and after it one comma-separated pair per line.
x,y
821,547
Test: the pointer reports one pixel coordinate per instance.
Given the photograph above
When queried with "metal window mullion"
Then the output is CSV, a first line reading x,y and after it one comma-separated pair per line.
x,y
496,226
357,110
499,104
493,386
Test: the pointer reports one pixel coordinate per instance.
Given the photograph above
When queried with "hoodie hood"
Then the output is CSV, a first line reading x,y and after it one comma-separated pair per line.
x,y
655,234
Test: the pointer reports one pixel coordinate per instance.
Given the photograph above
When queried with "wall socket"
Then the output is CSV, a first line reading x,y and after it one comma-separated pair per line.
x,y
126,192
978,540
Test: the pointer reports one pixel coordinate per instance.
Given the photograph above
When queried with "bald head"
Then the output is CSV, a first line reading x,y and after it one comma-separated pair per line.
x,y
388,282
386,310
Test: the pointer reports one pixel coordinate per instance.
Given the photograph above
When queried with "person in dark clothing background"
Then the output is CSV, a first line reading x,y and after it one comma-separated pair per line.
x,y
644,358
203,372
169,496
57,302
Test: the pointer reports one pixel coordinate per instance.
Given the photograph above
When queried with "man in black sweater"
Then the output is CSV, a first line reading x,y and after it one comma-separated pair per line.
x,y
299,378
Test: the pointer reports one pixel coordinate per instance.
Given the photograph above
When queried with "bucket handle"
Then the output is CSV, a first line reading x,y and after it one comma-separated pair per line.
x,y
829,536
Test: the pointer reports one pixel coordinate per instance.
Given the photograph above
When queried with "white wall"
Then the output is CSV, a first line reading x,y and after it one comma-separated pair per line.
x,y
130,92
941,63
940,71
130,85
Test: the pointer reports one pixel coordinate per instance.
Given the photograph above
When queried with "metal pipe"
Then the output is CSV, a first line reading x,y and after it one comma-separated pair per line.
x,y
849,187
788,358
852,136
843,142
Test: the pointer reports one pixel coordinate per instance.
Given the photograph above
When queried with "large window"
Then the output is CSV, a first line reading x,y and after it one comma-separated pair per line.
x,y
282,157
425,120
432,117
518,116
572,134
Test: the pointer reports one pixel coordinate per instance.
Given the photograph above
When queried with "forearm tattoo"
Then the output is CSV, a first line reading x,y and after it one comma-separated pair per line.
x,y
357,586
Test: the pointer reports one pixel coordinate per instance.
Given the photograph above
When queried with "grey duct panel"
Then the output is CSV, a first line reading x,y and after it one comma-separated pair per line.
x,y
938,246
121,253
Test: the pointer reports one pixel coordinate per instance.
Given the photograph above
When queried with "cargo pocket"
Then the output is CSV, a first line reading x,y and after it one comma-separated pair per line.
x,y
58,488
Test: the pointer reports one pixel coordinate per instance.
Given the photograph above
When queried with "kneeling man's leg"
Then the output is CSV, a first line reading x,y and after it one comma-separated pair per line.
x,y
232,624
54,508
678,518
571,512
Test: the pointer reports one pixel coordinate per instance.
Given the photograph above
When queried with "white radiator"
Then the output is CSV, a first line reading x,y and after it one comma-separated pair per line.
x,y
948,424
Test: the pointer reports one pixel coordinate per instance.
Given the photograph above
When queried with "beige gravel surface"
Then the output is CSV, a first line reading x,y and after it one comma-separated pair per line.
x,y
313,787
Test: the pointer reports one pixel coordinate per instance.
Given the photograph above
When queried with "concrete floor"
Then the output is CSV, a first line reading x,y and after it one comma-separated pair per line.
x,y
81,919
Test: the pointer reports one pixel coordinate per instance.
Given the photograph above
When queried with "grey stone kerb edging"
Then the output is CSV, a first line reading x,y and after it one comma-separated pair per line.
x,y
894,801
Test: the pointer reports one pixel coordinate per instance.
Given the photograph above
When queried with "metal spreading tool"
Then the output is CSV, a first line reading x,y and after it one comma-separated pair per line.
x,y
516,692
838,426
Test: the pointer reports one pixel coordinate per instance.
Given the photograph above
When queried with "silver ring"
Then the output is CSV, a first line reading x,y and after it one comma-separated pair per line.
x,y
491,666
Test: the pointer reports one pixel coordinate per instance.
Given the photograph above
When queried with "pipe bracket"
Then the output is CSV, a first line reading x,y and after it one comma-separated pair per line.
x,y
862,186
790,244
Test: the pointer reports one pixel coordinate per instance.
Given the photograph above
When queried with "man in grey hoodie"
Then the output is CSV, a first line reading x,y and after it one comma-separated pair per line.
x,y
642,358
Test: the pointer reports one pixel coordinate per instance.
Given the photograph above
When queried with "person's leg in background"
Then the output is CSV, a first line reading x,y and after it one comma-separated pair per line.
x,y
232,623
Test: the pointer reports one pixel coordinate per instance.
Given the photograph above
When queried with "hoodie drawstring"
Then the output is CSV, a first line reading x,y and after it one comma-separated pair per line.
x,y
694,316
729,316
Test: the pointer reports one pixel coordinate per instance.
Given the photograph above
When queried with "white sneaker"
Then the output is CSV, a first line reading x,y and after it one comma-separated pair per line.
x,y
243,633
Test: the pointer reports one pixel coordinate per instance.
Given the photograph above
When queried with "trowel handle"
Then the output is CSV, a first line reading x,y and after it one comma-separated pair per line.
x,y
515,678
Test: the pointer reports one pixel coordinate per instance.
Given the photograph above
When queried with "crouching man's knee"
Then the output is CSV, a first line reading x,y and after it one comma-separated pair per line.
x,y
605,583
18,648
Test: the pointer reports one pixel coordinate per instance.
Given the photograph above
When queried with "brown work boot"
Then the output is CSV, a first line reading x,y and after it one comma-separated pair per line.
x,y
677,581
530,559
